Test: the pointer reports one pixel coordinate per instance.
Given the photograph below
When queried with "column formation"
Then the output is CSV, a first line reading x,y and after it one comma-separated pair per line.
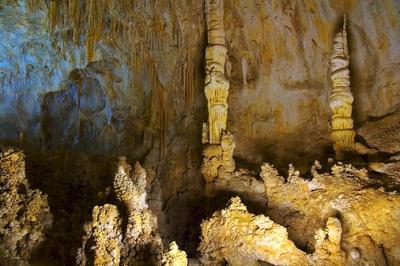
x,y
341,98
216,84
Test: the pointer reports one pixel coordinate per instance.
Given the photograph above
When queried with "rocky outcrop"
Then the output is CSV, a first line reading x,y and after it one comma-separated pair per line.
x,y
304,206
25,213
238,237
216,84
391,169
382,134
341,99
101,244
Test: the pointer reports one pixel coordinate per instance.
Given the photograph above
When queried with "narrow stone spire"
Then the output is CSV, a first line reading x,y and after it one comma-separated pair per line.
x,y
341,98
216,84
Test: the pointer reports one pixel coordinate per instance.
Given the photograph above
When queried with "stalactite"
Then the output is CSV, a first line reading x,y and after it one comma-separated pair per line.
x,y
158,112
53,11
188,81
216,85
341,98
74,15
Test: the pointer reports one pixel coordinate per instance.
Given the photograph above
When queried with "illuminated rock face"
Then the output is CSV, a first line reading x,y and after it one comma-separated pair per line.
x,y
241,238
104,236
25,213
216,84
369,217
341,98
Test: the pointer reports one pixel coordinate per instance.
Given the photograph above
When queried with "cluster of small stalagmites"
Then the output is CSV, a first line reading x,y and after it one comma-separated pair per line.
x,y
216,84
341,98
25,213
174,256
240,238
369,216
139,243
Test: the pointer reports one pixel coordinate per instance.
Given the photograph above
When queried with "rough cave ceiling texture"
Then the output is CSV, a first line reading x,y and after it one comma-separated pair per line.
x,y
144,81
124,77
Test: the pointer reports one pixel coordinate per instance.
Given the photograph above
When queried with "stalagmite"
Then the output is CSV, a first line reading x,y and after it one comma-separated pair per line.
x,y
141,241
341,98
216,84
24,212
174,257
104,235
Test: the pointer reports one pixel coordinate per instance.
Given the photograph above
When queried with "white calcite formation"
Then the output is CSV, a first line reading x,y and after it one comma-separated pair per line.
x,y
341,98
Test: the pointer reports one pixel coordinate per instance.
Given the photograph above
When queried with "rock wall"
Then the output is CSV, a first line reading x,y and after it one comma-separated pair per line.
x,y
137,71
283,50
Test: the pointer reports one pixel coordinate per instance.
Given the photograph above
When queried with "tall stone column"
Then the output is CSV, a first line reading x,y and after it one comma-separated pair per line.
x,y
216,84
341,98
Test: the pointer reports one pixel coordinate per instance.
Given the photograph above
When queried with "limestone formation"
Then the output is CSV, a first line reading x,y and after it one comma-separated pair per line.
x,y
25,213
341,98
220,173
218,158
382,134
174,256
370,221
241,238
204,134
101,244
139,243
141,240
391,169
216,84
